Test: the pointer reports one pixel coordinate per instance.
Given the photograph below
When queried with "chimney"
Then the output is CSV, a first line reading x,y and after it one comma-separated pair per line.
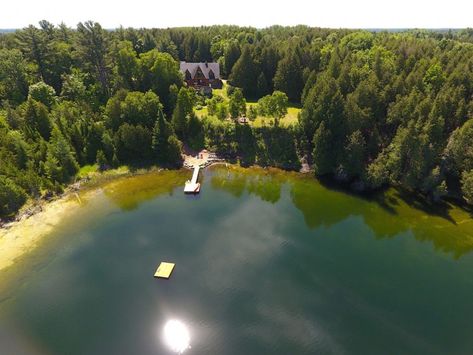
x,y
206,64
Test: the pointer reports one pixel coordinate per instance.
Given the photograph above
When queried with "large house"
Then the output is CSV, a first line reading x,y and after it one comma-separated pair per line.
x,y
202,75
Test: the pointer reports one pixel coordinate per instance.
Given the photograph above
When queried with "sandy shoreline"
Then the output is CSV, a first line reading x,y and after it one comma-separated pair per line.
x,y
40,218
22,236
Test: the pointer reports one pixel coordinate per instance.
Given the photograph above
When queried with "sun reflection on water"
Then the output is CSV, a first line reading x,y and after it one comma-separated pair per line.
x,y
176,336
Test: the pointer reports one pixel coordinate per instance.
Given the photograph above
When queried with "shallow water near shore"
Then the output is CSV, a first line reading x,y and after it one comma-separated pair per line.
x,y
266,262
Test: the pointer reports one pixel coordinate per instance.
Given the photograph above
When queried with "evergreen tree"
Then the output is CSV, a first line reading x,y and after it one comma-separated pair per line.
x,y
288,77
165,145
61,163
43,93
12,197
231,55
13,76
355,154
323,154
93,46
262,85
158,71
37,119
182,111
244,73
237,104
101,160
467,186
127,65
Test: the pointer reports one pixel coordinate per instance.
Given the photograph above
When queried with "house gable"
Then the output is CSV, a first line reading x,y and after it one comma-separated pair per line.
x,y
203,68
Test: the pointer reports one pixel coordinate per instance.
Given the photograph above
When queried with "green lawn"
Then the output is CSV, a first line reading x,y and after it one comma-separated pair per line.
x,y
86,170
221,92
289,119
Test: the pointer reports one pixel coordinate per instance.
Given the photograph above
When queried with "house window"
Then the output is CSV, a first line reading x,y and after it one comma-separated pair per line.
x,y
211,75
199,74
188,75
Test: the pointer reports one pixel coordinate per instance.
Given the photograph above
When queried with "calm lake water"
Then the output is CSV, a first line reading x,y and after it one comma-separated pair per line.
x,y
266,263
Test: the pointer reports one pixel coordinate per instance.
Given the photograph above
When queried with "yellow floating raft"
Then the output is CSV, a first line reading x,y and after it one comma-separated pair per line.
x,y
164,270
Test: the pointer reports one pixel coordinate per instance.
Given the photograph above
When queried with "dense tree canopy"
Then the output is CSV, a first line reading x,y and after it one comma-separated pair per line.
x,y
378,108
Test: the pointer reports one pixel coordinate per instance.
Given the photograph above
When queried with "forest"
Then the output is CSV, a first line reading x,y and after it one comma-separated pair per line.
x,y
377,108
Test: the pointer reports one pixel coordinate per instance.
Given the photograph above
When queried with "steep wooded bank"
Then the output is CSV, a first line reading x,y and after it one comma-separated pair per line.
x,y
377,108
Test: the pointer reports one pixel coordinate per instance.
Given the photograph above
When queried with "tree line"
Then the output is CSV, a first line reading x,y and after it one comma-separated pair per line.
x,y
377,108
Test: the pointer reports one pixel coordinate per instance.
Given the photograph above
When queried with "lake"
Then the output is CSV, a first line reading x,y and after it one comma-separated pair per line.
x,y
267,262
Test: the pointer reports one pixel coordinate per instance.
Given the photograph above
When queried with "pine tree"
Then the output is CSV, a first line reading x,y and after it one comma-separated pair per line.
x,y
12,196
37,119
244,73
323,154
181,112
231,55
61,164
262,85
467,186
101,160
354,157
165,145
288,77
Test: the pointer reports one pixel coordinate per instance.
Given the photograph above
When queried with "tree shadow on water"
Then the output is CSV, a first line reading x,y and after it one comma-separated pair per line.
x,y
385,201
426,205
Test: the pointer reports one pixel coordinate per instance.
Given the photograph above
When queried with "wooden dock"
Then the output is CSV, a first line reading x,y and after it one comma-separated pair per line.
x,y
192,186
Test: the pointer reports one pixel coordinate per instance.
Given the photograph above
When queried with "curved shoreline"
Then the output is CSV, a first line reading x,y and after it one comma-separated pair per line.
x,y
18,238
41,217
38,220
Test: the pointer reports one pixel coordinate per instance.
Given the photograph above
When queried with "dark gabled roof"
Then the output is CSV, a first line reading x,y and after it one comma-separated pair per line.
x,y
205,67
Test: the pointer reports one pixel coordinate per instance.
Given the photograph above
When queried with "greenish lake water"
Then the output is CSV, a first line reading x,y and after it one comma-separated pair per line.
x,y
267,262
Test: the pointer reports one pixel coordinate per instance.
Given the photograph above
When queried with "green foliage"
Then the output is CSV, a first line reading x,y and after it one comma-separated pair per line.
x,y
195,132
127,65
358,41
60,164
245,73
92,44
355,155
262,85
252,113
467,186
43,93
165,146
434,77
37,120
237,104
378,108
182,111
13,76
274,105
323,154
158,71
460,148
73,87
12,197
288,77
101,160
135,108
133,143
231,55
324,104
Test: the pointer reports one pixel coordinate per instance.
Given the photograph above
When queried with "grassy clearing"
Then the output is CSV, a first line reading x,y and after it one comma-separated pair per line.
x,y
92,172
286,121
260,121
86,170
